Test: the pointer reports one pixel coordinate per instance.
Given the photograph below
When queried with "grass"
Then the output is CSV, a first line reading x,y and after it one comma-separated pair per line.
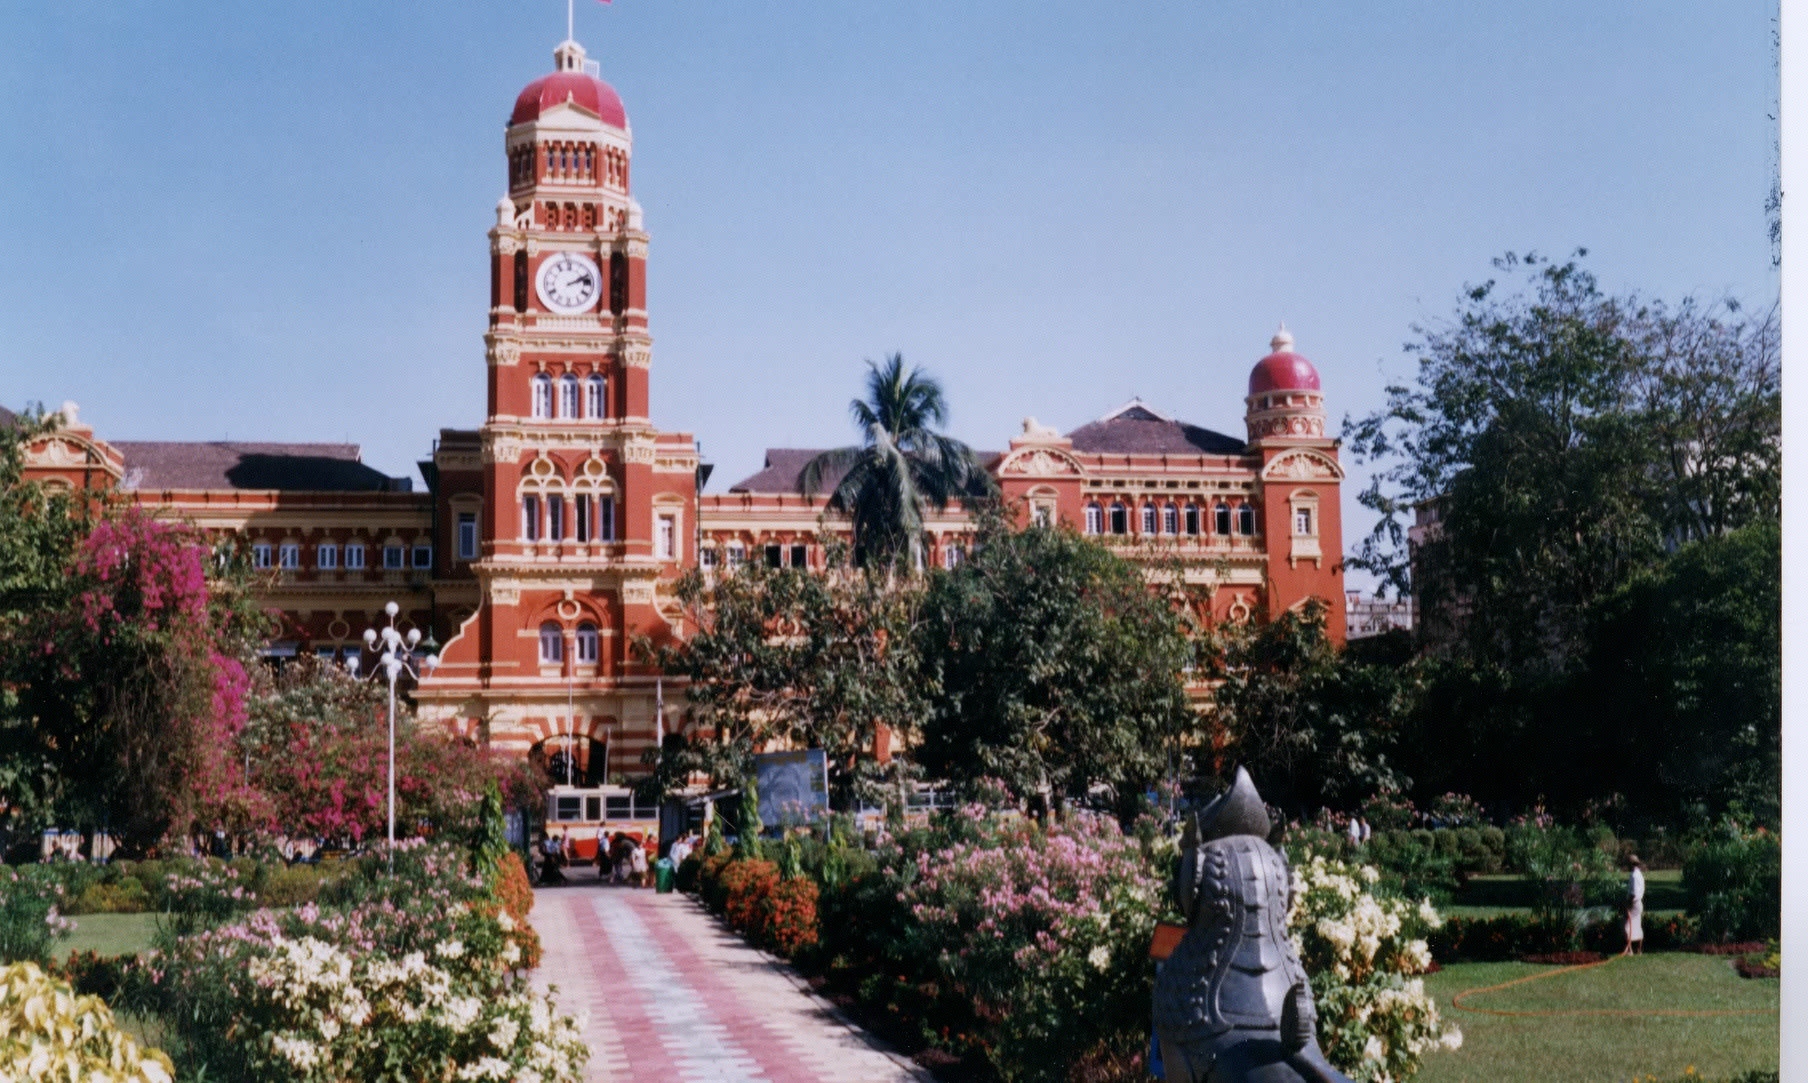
x,y
1580,1048
108,934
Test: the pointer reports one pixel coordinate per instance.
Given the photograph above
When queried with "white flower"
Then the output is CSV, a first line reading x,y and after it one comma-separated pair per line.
x,y
449,949
1373,1049
504,1033
1100,958
1452,1039
302,1054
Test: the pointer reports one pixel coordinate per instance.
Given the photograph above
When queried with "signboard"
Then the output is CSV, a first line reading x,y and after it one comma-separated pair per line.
x,y
794,787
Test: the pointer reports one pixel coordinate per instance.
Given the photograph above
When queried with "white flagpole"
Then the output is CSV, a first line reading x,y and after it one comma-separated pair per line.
x,y
568,20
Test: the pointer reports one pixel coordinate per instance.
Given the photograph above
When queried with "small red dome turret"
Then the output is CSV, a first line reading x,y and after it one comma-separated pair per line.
x,y
1282,370
570,83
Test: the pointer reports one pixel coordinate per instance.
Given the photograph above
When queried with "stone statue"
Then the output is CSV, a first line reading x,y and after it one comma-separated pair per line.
x,y
1232,1003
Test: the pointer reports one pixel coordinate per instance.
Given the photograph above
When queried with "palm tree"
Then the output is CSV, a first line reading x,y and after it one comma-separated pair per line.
x,y
902,466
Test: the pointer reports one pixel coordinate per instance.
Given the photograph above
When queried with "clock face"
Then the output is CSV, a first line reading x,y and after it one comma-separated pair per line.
x,y
568,283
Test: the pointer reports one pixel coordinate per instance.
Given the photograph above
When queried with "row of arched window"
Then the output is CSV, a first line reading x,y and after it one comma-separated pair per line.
x,y
591,393
573,216
587,641
581,517
1171,519
570,162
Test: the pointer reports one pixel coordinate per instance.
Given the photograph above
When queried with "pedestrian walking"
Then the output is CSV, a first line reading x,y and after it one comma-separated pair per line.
x,y
637,866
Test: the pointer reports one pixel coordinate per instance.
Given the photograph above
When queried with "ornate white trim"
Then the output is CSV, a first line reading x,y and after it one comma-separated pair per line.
x,y
1040,462
1302,464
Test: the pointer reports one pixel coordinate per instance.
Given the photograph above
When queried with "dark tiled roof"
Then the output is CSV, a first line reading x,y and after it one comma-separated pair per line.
x,y
785,468
293,467
7,417
1138,430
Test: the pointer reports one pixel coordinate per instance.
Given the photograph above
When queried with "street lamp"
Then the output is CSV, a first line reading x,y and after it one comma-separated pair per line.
x,y
400,655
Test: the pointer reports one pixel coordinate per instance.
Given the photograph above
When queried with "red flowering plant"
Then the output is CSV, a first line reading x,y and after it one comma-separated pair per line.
x,y
132,683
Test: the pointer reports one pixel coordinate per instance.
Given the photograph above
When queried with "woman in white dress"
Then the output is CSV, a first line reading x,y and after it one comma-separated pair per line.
x,y
1635,910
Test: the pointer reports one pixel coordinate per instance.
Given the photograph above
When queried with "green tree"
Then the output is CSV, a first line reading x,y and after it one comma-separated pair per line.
x,y
1564,438
901,466
1058,669
1686,678
1317,725
790,658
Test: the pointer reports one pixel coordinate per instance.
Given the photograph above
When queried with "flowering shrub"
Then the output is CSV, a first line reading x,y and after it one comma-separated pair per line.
x,y
29,914
1364,953
1457,810
1044,932
48,1032
200,893
1733,880
745,886
787,916
516,896
1389,812
402,978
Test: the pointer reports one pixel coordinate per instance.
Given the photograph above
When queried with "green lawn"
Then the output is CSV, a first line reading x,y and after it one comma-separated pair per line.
x,y
1581,1048
108,934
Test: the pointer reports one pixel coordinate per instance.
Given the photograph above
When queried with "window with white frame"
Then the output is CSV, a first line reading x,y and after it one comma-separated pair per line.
x,y
1042,514
605,518
326,557
260,555
423,556
1095,518
552,644
584,512
706,558
393,557
1302,520
1148,518
665,538
952,555
568,396
594,391
737,555
542,395
1170,520
354,556
1192,519
1221,518
1246,520
588,642
530,517
289,555
467,535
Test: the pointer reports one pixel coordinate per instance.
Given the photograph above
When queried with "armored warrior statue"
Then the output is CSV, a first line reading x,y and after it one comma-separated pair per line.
x,y
1232,1003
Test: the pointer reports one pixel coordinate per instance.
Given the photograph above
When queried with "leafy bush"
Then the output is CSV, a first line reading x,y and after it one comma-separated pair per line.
x,y
1457,810
200,893
745,885
1518,935
1364,953
1733,882
1388,812
29,914
517,898
47,1031
123,896
1413,865
787,916
688,871
1572,873
410,977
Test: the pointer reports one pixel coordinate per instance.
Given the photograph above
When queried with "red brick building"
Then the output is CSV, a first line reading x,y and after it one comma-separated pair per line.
x,y
551,536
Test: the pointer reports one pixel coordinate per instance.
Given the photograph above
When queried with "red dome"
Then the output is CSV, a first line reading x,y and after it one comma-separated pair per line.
x,y
585,91
1283,370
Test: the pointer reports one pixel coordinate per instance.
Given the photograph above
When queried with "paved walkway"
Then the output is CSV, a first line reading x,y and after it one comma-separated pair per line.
x,y
673,995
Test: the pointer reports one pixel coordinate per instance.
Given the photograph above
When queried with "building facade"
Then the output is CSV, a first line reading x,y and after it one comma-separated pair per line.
x,y
551,538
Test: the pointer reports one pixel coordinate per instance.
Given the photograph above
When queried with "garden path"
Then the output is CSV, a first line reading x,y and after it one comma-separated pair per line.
x,y
672,995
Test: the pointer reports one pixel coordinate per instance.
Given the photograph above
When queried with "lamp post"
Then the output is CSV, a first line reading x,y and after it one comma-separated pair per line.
x,y
400,655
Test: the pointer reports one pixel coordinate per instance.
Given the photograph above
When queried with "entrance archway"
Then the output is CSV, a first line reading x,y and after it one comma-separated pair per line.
x,y
580,760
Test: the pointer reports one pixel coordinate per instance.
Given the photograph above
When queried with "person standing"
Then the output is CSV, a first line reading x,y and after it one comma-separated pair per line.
x,y
1635,910
637,864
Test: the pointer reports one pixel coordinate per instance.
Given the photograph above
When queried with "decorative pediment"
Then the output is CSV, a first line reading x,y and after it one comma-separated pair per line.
x,y
1302,465
1040,462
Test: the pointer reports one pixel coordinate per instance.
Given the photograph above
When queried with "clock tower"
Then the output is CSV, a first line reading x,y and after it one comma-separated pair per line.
x,y
585,508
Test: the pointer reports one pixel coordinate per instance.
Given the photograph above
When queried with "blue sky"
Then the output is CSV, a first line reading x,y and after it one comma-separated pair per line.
x,y
266,221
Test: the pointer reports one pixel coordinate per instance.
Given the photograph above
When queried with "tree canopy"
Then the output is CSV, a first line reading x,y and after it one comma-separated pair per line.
x,y
901,466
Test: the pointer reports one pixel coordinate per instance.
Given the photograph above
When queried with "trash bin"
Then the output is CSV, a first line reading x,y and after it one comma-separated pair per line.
x,y
665,875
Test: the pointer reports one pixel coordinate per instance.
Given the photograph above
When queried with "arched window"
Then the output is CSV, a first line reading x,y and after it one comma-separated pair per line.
x,y
521,281
555,517
1095,518
594,389
618,283
588,641
542,395
1221,518
1120,518
1246,520
530,517
568,396
552,644
1192,518
1148,518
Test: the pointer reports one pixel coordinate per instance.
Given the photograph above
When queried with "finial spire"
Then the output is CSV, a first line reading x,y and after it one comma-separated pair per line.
x,y
1282,341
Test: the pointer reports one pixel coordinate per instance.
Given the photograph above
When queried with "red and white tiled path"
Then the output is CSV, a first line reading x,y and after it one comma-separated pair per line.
x,y
673,995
